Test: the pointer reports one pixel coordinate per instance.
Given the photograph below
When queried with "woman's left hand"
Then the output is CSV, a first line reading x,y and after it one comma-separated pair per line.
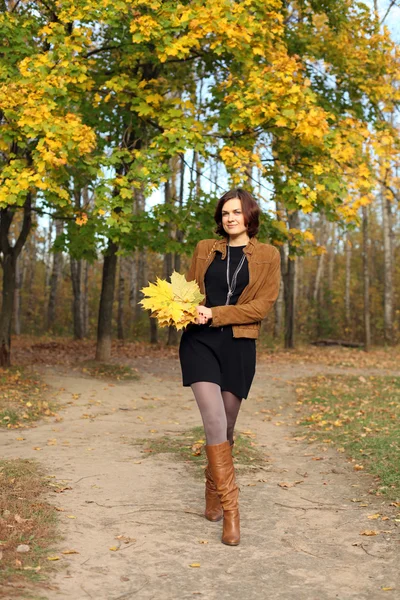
x,y
203,314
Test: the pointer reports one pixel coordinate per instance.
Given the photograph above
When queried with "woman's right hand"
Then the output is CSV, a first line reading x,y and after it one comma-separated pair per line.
x,y
204,314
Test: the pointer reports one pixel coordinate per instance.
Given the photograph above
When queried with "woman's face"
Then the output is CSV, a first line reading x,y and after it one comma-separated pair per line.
x,y
233,217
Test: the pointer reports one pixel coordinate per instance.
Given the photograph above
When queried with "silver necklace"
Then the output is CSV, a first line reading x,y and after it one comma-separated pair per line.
x,y
232,284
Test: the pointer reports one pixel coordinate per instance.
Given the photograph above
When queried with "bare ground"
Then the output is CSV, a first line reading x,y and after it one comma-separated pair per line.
x,y
299,542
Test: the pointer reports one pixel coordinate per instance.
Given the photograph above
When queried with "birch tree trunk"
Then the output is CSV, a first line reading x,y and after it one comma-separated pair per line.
x,y
54,279
321,261
365,256
121,297
387,269
279,309
289,278
332,253
347,296
169,259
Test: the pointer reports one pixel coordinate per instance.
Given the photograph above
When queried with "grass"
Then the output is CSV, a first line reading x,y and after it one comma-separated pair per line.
x,y
189,448
109,372
25,518
24,398
361,417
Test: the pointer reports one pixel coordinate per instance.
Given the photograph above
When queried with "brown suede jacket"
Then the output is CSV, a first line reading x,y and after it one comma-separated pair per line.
x,y
259,295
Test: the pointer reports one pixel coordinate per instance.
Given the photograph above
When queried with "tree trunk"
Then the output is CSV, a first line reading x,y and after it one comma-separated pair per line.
x,y
140,272
85,299
77,306
121,297
321,261
10,255
172,339
17,297
153,331
278,308
54,278
348,248
331,262
387,269
289,278
365,253
169,264
7,308
47,256
104,328
289,292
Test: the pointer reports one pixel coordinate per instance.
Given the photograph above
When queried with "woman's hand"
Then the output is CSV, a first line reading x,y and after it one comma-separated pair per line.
x,y
203,314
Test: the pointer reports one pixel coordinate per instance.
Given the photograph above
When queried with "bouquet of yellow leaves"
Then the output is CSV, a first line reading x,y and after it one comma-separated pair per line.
x,y
172,303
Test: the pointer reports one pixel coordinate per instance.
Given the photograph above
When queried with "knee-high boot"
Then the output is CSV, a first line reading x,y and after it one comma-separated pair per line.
x,y
222,471
213,510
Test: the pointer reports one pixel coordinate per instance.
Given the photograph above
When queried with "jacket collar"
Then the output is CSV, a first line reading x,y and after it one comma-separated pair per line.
x,y
221,246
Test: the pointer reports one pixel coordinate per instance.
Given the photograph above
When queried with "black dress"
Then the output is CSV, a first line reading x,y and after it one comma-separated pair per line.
x,y
212,353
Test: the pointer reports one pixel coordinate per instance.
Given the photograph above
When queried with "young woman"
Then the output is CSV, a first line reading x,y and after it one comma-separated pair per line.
x,y
240,278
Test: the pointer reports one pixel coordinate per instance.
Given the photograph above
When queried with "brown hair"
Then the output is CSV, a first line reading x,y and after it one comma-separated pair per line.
x,y
250,208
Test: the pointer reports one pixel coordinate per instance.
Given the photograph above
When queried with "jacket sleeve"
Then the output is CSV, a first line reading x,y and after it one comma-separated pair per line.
x,y
255,310
190,275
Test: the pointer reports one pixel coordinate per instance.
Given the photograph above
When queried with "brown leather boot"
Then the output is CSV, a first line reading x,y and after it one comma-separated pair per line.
x,y
223,473
213,510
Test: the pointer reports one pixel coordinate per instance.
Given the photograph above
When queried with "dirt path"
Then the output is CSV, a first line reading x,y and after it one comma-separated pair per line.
x,y
303,542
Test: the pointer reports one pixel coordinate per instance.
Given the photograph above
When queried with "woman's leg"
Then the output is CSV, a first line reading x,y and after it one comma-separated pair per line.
x,y
232,405
212,409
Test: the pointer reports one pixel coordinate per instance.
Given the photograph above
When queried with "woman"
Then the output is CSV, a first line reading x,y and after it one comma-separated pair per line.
x,y
240,278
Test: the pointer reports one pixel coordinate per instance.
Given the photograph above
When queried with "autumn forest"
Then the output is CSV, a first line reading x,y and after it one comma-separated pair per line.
x,y
122,124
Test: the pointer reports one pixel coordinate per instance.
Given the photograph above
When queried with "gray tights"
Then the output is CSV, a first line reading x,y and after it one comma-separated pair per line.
x,y
219,411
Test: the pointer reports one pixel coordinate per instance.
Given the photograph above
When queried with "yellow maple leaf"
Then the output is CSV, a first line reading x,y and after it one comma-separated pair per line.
x,y
172,303
185,291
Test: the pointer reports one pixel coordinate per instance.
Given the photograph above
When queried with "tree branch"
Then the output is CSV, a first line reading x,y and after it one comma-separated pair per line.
x,y
392,3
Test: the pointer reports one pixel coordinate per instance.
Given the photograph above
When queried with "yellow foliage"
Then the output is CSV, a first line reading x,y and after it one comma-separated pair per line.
x,y
172,303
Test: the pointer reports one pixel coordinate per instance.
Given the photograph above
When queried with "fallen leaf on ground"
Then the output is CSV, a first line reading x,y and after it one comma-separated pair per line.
x,y
60,490
71,517
19,519
369,532
196,449
375,516
53,558
194,565
114,548
285,484
70,552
